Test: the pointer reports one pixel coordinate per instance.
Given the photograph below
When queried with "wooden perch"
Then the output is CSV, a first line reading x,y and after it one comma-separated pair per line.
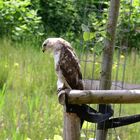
x,y
100,96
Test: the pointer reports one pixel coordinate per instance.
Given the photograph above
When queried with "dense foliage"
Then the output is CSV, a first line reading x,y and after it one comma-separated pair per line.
x,y
129,24
19,20
29,109
60,17
72,19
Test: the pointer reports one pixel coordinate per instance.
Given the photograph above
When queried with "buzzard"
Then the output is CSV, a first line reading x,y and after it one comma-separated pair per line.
x,y
66,64
69,77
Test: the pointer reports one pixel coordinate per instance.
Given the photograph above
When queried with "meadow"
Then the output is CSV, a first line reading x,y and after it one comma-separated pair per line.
x,y
28,101
29,109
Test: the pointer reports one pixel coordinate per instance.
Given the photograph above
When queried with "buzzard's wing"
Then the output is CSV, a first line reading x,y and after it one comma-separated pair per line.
x,y
70,68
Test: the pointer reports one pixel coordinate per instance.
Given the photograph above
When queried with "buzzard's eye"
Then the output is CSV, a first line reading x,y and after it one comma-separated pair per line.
x,y
44,44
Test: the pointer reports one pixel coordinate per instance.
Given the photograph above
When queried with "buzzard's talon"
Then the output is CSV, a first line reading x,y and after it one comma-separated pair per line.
x,y
59,90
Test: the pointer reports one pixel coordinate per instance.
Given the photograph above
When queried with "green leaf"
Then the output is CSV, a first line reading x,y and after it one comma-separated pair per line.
x,y
24,27
18,29
136,3
28,138
98,48
100,39
1,4
85,28
88,36
4,88
57,137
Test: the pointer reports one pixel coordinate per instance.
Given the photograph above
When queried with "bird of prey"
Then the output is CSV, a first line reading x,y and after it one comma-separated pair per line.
x,y
66,64
69,76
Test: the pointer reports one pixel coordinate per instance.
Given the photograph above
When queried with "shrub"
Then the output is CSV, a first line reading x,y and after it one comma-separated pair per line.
x,y
19,20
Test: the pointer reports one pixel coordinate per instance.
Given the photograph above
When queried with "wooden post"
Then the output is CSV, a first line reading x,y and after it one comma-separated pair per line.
x,y
72,123
105,82
71,129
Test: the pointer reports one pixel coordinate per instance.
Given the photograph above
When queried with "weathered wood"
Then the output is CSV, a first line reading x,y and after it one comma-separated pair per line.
x,y
71,129
106,72
103,96
61,97
72,123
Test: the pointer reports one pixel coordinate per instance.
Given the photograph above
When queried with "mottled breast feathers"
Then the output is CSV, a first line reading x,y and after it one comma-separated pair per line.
x,y
70,68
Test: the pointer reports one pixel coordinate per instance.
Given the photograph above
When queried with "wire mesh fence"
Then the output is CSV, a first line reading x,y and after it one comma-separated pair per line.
x,y
125,63
29,107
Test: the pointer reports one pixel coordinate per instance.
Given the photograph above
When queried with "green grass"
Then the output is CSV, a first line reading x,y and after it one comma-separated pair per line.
x,y
132,66
28,102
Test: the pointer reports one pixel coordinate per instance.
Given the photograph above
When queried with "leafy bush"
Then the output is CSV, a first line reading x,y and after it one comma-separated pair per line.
x,y
94,31
129,24
60,17
19,20
128,29
36,18
64,18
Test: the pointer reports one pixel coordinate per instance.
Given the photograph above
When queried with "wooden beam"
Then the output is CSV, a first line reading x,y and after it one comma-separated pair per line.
x,y
101,96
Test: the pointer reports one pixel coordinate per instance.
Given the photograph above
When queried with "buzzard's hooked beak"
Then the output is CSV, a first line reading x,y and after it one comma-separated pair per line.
x,y
43,48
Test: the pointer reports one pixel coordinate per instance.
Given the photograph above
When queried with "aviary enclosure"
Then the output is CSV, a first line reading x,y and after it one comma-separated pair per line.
x,y
110,86
106,37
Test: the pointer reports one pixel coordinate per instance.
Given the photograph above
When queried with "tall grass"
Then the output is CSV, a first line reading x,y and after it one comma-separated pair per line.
x,y
28,102
128,69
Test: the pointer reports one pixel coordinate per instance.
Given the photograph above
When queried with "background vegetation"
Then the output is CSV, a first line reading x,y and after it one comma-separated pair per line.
x,y
20,19
29,109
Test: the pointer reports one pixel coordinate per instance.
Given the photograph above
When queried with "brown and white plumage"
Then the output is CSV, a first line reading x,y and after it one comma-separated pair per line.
x,y
66,63
69,77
